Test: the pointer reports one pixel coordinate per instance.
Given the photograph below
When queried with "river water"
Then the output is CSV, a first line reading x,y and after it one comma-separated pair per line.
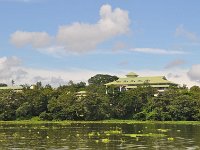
x,y
99,136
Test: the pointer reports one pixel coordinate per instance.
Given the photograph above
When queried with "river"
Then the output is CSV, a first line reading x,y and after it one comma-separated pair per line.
x,y
89,136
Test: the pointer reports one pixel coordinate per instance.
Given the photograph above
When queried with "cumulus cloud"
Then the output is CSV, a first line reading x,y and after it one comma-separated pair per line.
x,y
179,76
175,63
79,37
35,39
171,75
157,51
182,32
10,69
82,37
194,73
56,51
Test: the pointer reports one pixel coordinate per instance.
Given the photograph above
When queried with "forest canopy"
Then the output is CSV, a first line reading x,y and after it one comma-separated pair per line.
x,y
79,101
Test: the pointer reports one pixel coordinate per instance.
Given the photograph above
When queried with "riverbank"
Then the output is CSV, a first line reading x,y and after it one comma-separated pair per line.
x,y
100,122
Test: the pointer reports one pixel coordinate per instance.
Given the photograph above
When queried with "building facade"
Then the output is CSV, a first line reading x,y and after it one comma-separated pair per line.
x,y
132,80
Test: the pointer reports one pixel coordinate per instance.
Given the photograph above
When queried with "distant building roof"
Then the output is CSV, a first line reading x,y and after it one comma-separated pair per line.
x,y
11,88
131,75
81,93
132,79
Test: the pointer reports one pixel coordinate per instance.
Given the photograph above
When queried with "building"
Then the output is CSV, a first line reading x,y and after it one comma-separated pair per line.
x,y
14,88
132,80
81,94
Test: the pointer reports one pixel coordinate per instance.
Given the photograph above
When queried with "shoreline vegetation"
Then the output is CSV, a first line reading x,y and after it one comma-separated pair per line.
x,y
67,122
81,102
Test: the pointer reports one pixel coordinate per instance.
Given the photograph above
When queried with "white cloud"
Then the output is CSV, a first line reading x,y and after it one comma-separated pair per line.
x,y
179,76
194,73
157,51
56,51
182,32
81,37
175,63
57,77
10,69
35,39
78,37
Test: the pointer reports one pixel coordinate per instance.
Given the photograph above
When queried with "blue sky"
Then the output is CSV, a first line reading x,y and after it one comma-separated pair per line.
x,y
55,41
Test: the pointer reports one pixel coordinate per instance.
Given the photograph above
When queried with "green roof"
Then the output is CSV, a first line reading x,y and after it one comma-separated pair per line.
x,y
159,86
131,74
131,87
156,86
11,88
129,81
81,92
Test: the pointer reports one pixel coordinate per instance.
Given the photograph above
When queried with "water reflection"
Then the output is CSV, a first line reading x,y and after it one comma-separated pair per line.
x,y
99,136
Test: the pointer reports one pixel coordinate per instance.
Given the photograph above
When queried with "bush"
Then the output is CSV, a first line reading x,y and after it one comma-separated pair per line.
x,y
45,116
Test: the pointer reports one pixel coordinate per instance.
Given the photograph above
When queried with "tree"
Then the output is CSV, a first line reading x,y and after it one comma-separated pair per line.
x,y
195,89
38,85
101,79
174,104
63,107
95,107
129,104
9,102
3,85
13,82
24,111
72,87
36,100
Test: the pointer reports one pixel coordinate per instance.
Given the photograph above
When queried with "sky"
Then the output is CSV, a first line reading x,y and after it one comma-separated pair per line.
x,y
54,41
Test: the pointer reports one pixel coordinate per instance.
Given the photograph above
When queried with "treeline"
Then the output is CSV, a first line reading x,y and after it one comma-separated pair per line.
x,y
64,103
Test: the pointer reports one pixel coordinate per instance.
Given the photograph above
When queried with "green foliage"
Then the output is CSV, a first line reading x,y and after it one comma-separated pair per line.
x,y
71,87
129,103
64,103
71,107
24,111
9,102
46,116
63,107
96,107
3,85
174,104
101,79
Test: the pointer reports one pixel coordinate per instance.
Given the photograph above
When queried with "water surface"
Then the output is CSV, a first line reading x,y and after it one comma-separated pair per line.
x,y
111,136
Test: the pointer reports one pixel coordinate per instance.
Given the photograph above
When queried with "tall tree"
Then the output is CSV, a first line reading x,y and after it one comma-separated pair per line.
x,y
3,85
101,79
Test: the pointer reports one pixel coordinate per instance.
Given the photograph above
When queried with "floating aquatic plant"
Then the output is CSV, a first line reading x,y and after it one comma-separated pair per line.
x,y
91,134
170,138
113,132
163,130
145,135
105,140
